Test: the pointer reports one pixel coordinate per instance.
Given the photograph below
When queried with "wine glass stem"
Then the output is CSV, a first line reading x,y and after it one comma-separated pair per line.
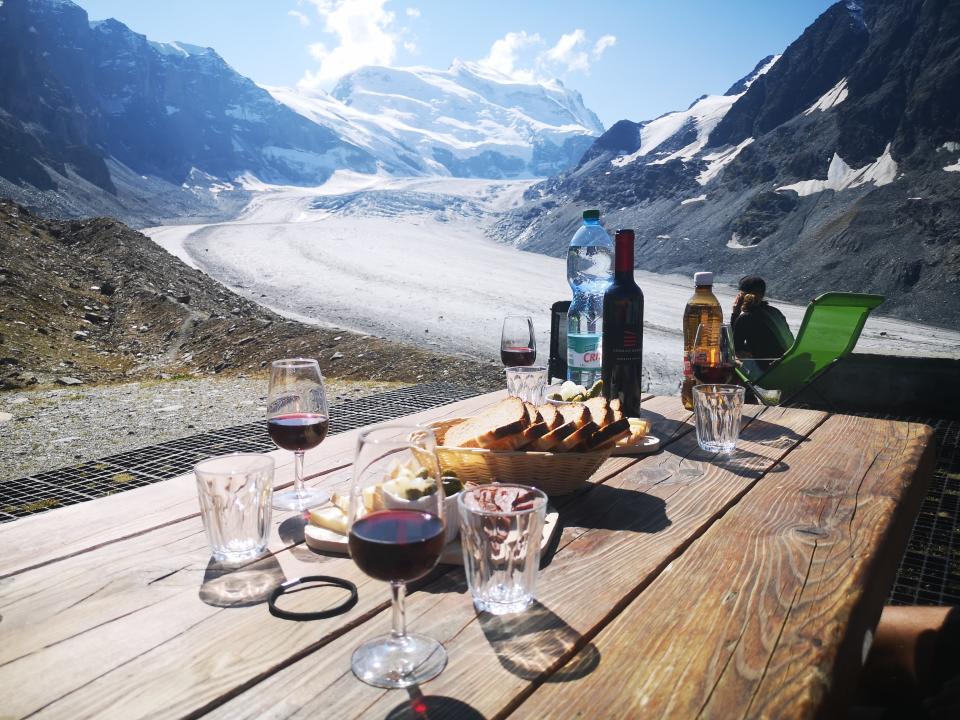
x,y
298,473
398,592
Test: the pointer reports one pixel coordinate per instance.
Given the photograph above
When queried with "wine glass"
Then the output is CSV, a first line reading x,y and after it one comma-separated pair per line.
x,y
712,356
396,534
297,420
518,344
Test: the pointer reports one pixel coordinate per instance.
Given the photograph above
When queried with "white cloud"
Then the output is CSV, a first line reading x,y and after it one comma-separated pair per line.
x,y
365,35
413,12
410,47
503,55
301,18
514,55
566,54
607,41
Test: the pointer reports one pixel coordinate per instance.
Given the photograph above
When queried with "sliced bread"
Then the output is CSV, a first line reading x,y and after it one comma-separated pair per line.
x,y
600,411
537,427
609,434
491,427
617,407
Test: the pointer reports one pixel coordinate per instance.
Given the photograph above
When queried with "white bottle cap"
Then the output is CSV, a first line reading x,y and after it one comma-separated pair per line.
x,y
703,278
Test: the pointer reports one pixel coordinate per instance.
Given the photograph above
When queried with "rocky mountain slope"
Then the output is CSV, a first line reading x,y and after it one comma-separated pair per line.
x,y
834,166
468,121
92,300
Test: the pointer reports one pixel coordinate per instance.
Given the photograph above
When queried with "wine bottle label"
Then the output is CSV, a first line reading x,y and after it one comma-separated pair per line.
x,y
687,366
629,349
583,351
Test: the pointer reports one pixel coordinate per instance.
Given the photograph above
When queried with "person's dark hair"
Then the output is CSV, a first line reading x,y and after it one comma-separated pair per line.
x,y
753,284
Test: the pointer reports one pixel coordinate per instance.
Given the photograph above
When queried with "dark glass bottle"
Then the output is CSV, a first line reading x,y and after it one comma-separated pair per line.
x,y
622,368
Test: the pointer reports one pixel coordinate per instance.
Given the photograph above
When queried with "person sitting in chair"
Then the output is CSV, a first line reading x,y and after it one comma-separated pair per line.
x,y
760,331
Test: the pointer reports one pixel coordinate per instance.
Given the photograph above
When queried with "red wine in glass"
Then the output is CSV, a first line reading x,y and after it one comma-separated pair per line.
x,y
518,356
298,432
397,545
713,374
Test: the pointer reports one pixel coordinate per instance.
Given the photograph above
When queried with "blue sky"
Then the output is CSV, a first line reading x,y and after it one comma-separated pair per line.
x,y
631,59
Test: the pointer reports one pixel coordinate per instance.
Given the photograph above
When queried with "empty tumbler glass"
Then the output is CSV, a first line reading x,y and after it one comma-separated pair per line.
x,y
717,410
235,493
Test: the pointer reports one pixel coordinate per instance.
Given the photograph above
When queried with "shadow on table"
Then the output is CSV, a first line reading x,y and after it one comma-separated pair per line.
x,y
659,423
231,586
694,464
530,643
606,507
435,707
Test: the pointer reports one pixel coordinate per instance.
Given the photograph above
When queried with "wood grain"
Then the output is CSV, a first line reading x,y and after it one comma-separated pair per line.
x,y
46,537
618,537
749,621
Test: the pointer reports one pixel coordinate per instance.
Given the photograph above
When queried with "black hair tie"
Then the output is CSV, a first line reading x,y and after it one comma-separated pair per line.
x,y
283,587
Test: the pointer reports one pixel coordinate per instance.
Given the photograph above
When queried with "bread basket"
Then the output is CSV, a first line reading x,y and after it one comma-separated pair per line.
x,y
554,473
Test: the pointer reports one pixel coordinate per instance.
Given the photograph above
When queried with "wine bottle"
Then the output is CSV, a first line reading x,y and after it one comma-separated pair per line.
x,y
622,368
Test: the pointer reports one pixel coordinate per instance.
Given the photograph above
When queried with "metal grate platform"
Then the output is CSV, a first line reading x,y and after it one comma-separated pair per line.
x,y
929,572
147,465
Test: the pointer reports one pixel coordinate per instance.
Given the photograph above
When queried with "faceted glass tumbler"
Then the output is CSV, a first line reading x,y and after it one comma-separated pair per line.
x,y
527,383
717,410
501,548
235,502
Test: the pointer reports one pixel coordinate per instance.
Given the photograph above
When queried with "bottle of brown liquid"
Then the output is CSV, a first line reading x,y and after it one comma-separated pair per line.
x,y
702,309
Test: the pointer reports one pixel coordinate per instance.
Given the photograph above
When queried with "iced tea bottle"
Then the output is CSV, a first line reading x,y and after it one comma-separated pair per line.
x,y
702,309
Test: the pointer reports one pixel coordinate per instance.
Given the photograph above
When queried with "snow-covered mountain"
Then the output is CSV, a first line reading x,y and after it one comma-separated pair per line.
x,y
835,166
97,119
467,121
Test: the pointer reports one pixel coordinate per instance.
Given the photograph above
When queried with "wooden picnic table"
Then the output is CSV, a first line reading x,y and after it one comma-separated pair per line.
x,y
681,584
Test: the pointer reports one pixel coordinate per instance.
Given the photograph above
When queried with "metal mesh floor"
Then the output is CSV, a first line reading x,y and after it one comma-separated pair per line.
x,y
929,572
147,465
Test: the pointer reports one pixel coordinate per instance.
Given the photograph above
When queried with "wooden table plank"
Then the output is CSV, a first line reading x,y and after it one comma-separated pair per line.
x,y
617,539
769,591
47,537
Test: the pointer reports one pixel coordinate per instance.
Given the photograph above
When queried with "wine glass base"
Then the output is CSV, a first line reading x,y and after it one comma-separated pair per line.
x,y
292,500
391,662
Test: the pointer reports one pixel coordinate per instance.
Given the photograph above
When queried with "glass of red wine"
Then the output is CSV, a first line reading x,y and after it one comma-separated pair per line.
x,y
518,344
297,420
396,534
712,356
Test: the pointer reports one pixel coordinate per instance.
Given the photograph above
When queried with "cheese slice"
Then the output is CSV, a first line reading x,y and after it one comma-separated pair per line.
x,y
330,518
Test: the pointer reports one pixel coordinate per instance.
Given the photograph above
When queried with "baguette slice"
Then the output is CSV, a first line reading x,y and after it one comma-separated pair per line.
x,y
551,416
552,439
576,413
617,407
573,416
536,428
577,440
609,434
489,429
600,411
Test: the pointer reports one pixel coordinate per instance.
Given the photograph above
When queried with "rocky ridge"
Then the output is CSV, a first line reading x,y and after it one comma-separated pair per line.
x,y
89,301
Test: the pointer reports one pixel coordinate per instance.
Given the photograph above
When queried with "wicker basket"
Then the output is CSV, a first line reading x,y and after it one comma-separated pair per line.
x,y
554,473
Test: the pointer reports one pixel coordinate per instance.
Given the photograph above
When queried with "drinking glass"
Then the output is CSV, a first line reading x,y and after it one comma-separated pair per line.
x,y
717,410
234,493
712,357
297,420
527,383
398,544
518,344
501,528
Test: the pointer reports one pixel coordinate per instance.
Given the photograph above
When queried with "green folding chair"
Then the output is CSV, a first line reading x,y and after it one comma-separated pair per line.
x,y
829,331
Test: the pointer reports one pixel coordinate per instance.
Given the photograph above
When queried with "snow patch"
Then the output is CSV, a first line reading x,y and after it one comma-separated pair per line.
x,y
718,160
841,176
951,146
764,70
734,242
663,237
833,97
698,198
953,168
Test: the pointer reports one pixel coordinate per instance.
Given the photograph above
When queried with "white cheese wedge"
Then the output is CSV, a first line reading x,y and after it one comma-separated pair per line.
x,y
330,518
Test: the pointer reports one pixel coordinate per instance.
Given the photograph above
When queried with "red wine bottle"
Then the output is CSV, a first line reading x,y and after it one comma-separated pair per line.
x,y
622,365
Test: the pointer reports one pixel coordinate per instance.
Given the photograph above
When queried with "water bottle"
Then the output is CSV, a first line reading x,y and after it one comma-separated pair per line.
x,y
589,272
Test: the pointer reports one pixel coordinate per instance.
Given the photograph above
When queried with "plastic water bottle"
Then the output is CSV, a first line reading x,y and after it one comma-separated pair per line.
x,y
589,272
